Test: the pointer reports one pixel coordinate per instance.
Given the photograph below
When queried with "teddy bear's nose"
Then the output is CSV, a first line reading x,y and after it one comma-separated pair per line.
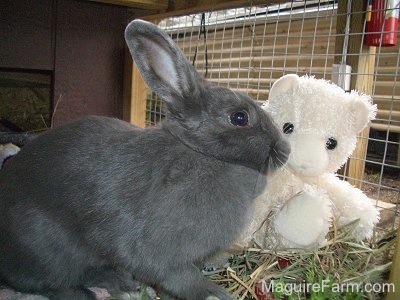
x,y
310,157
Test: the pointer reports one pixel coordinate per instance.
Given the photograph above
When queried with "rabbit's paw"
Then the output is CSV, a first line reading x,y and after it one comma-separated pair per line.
x,y
168,297
217,293
188,282
221,297
126,296
164,296
75,293
217,262
147,293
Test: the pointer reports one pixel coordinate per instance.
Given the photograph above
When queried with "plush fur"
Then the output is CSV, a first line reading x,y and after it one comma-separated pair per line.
x,y
99,201
302,200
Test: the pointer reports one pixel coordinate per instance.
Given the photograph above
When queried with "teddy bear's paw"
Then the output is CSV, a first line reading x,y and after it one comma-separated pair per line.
x,y
305,220
363,232
366,215
362,229
365,224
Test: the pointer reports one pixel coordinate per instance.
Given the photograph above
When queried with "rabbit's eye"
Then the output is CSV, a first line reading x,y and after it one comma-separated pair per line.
x,y
288,128
240,118
331,144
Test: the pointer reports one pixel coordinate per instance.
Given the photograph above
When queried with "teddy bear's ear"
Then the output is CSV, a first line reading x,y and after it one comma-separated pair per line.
x,y
364,111
284,84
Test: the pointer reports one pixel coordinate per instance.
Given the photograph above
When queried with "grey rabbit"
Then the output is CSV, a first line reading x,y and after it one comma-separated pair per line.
x,y
97,202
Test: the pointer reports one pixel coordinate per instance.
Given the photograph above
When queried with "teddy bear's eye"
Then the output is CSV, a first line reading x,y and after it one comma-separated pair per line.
x,y
240,118
331,144
288,128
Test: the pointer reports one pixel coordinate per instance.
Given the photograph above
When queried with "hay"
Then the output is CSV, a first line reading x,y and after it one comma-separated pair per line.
x,y
340,269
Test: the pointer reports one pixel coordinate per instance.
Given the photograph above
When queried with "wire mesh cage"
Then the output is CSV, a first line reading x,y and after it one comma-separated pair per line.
x,y
247,49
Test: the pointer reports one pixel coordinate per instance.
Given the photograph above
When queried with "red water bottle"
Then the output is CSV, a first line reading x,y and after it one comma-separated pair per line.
x,y
382,23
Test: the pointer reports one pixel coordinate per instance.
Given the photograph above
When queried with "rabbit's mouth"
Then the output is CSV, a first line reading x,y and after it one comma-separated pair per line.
x,y
278,156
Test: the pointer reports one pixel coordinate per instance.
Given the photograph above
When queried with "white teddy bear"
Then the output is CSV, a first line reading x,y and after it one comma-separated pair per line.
x,y
321,121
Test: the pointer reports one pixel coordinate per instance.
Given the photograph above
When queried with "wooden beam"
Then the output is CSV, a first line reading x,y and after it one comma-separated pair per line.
x,y
362,61
142,4
179,8
135,94
364,84
356,32
395,272
139,98
127,86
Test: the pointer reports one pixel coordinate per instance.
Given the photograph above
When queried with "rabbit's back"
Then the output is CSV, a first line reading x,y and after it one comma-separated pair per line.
x,y
81,158
114,193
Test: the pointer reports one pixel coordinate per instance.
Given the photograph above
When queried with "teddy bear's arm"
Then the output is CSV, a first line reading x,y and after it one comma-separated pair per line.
x,y
349,204
304,220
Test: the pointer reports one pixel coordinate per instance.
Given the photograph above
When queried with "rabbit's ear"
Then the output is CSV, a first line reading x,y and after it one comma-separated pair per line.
x,y
162,64
284,84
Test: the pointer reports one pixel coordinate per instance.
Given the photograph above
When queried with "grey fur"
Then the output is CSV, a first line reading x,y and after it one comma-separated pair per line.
x,y
93,202
19,139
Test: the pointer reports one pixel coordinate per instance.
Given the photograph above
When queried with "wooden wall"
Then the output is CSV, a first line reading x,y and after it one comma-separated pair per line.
x,y
27,34
387,88
253,56
80,42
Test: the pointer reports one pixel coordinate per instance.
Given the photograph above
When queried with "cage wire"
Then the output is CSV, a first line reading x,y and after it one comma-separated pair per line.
x,y
249,48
